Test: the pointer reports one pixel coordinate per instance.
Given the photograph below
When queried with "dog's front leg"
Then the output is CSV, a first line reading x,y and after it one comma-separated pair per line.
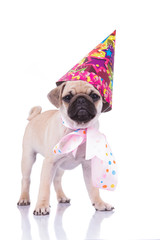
x,y
47,174
93,192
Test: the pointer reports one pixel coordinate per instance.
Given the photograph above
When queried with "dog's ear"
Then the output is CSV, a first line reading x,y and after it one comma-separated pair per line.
x,y
105,107
54,95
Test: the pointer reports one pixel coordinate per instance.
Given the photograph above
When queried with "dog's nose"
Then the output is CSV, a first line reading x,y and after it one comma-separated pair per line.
x,y
81,100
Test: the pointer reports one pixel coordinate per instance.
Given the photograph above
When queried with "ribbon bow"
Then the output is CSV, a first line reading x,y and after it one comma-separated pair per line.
x,y
103,164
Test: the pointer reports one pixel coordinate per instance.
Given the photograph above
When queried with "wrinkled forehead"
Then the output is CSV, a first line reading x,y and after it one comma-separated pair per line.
x,y
76,87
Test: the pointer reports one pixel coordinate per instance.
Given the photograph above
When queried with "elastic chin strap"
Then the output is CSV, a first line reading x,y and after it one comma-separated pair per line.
x,y
68,125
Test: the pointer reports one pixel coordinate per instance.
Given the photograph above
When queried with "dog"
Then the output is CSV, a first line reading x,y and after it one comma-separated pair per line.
x,y
80,105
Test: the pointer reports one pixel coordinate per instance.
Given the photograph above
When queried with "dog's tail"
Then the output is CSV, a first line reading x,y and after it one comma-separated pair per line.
x,y
34,112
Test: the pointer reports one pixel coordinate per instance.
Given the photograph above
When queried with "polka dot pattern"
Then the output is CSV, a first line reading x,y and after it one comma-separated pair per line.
x,y
103,164
108,177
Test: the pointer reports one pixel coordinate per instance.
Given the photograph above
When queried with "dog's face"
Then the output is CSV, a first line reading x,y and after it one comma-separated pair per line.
x,y
79,102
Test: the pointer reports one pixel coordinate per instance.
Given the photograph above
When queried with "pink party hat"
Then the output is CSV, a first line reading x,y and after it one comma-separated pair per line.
x,y
97,69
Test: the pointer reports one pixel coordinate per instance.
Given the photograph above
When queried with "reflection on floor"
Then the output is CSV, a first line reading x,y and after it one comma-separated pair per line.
x,y
93,230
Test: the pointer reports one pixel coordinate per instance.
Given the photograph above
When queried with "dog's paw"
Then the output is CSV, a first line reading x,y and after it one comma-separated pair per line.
x,y
102,206
64,199
42,210
23,202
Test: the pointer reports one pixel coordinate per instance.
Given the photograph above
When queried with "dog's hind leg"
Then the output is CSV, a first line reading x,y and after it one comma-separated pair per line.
x,y
61,197
28,159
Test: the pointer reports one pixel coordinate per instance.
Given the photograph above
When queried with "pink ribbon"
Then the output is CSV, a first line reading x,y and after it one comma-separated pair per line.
x,y
103,164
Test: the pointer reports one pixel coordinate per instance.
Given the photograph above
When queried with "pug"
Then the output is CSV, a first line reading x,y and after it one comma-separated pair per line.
x,y
80,105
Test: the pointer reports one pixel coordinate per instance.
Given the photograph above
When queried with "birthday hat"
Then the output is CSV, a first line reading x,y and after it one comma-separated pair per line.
x,y
97,69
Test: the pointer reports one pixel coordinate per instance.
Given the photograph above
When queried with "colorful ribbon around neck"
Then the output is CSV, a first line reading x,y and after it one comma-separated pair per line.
x,y
103,164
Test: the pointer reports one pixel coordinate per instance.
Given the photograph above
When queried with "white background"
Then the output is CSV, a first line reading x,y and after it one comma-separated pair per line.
x,y
39,42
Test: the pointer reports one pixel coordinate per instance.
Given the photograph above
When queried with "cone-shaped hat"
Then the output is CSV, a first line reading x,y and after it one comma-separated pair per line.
x,y
97,69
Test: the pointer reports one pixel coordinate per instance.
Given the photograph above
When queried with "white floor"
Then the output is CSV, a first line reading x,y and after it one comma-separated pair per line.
x,y
136,214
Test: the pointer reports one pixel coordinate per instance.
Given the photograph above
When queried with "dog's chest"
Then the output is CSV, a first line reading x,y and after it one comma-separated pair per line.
x,y
71,162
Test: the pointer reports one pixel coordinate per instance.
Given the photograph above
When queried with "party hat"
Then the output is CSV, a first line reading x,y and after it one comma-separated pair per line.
x,y
97,69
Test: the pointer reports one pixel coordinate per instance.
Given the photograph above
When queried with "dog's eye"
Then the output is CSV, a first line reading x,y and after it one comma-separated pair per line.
x,y
94,96
67,98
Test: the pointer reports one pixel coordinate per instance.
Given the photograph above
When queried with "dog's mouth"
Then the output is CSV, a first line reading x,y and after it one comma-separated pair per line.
x,y
82,112
82,116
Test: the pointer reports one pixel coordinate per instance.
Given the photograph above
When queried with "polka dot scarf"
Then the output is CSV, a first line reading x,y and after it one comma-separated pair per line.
x,y
103,164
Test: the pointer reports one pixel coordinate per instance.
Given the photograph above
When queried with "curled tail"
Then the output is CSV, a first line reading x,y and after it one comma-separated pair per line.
x,y
34,112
